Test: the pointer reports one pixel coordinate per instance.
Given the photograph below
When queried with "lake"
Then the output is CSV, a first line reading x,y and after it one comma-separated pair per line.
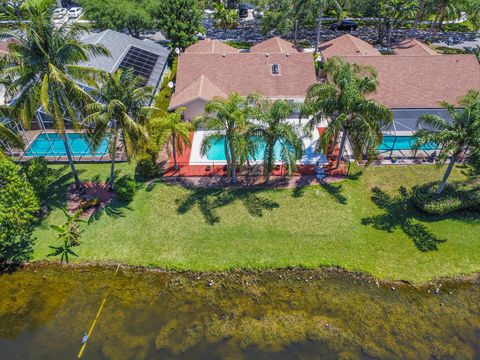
x,y
290,314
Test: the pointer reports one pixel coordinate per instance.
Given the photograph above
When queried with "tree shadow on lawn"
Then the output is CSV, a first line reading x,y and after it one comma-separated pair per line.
x,y
208,200
400,213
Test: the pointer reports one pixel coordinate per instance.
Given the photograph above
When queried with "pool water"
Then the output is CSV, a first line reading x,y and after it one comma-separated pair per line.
x,y
52,145
217,150
402,143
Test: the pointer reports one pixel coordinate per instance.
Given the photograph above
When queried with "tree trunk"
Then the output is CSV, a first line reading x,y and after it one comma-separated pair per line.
x,y
233,166
446,175
78,184
342,147
319,26
269,164
296,32
418,17
227,158
113,154
174,150
389,39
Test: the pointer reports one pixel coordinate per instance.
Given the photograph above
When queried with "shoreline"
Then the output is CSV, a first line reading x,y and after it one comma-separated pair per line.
x,y
473,278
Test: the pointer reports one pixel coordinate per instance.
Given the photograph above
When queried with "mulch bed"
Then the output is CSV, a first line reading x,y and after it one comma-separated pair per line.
x,y
243,182
91,197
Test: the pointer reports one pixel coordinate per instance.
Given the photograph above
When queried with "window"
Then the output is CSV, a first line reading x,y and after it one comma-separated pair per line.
x,y
275,69
140,61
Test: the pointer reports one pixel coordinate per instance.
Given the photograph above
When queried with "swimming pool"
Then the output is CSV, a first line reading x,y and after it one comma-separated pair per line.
x,y
217,150
51,144
402,143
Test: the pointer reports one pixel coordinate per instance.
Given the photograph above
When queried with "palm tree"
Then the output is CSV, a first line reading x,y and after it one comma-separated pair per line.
x,y
458,136
227,119
69,233
271,126
223,17
44,72
337,5
9,138
172,128
119,113
342,100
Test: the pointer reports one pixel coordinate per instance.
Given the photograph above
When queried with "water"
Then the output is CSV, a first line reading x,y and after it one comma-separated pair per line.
x,y
79,146
402,143
44,312
217,150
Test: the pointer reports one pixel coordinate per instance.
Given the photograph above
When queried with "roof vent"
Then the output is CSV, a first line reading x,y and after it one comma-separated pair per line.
x,y
275,69
223,55
288,54
267,54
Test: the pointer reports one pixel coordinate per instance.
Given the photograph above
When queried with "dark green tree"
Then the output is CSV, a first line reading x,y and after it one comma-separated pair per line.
x,y
131,15
180,21
18,209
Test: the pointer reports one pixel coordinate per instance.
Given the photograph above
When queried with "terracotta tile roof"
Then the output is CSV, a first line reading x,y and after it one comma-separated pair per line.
x,y
422,81
209,46
243,73
274,45
347,45
412,47
202,88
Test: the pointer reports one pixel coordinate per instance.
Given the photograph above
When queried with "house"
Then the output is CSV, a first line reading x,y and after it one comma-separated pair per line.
x,y
412,81
145,57
208,69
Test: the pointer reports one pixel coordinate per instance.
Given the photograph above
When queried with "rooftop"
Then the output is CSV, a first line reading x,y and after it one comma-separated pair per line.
x,y
415,77
203,75
412,47
422,81
119,46
347,45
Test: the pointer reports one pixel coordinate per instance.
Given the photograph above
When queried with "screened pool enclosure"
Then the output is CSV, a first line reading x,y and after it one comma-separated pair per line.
x,y
399,139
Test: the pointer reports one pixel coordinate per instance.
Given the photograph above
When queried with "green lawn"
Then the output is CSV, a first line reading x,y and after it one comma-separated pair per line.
x,y
176,228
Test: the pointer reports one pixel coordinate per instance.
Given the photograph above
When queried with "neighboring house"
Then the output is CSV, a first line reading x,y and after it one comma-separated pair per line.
x,y
411,82
208,69
145,57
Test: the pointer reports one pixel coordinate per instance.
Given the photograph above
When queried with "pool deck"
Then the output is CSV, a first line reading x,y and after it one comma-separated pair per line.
x,y
202,167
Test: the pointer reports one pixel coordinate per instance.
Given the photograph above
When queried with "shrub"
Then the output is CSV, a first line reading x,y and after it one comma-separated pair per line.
x,y
125,187
455,196
147,167
40,176
18,213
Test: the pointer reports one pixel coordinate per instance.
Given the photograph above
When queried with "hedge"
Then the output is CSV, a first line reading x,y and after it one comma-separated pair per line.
x,y
455,196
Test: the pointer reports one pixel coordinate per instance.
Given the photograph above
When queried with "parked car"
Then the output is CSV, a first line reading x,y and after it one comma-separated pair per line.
x,y
75,12
344,25
59,13
243,11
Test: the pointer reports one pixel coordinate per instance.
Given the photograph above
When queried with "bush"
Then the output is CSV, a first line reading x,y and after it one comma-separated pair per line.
x,y
455,196
147,167
18,213
125,188
39,176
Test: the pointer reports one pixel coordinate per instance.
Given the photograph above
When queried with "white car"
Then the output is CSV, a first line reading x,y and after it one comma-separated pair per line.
x,y
59,13
75,12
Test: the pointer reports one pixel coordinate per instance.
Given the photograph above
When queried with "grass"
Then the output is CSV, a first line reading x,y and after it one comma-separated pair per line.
x,y
361,224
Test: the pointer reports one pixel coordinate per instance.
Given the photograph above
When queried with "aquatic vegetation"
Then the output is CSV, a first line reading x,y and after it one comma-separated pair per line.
x,y
44,312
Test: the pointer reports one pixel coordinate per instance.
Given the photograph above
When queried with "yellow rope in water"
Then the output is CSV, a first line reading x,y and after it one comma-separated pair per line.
x,y
80,353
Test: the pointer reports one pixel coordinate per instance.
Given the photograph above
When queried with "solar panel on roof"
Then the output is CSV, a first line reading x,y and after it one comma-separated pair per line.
x,y
140,61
